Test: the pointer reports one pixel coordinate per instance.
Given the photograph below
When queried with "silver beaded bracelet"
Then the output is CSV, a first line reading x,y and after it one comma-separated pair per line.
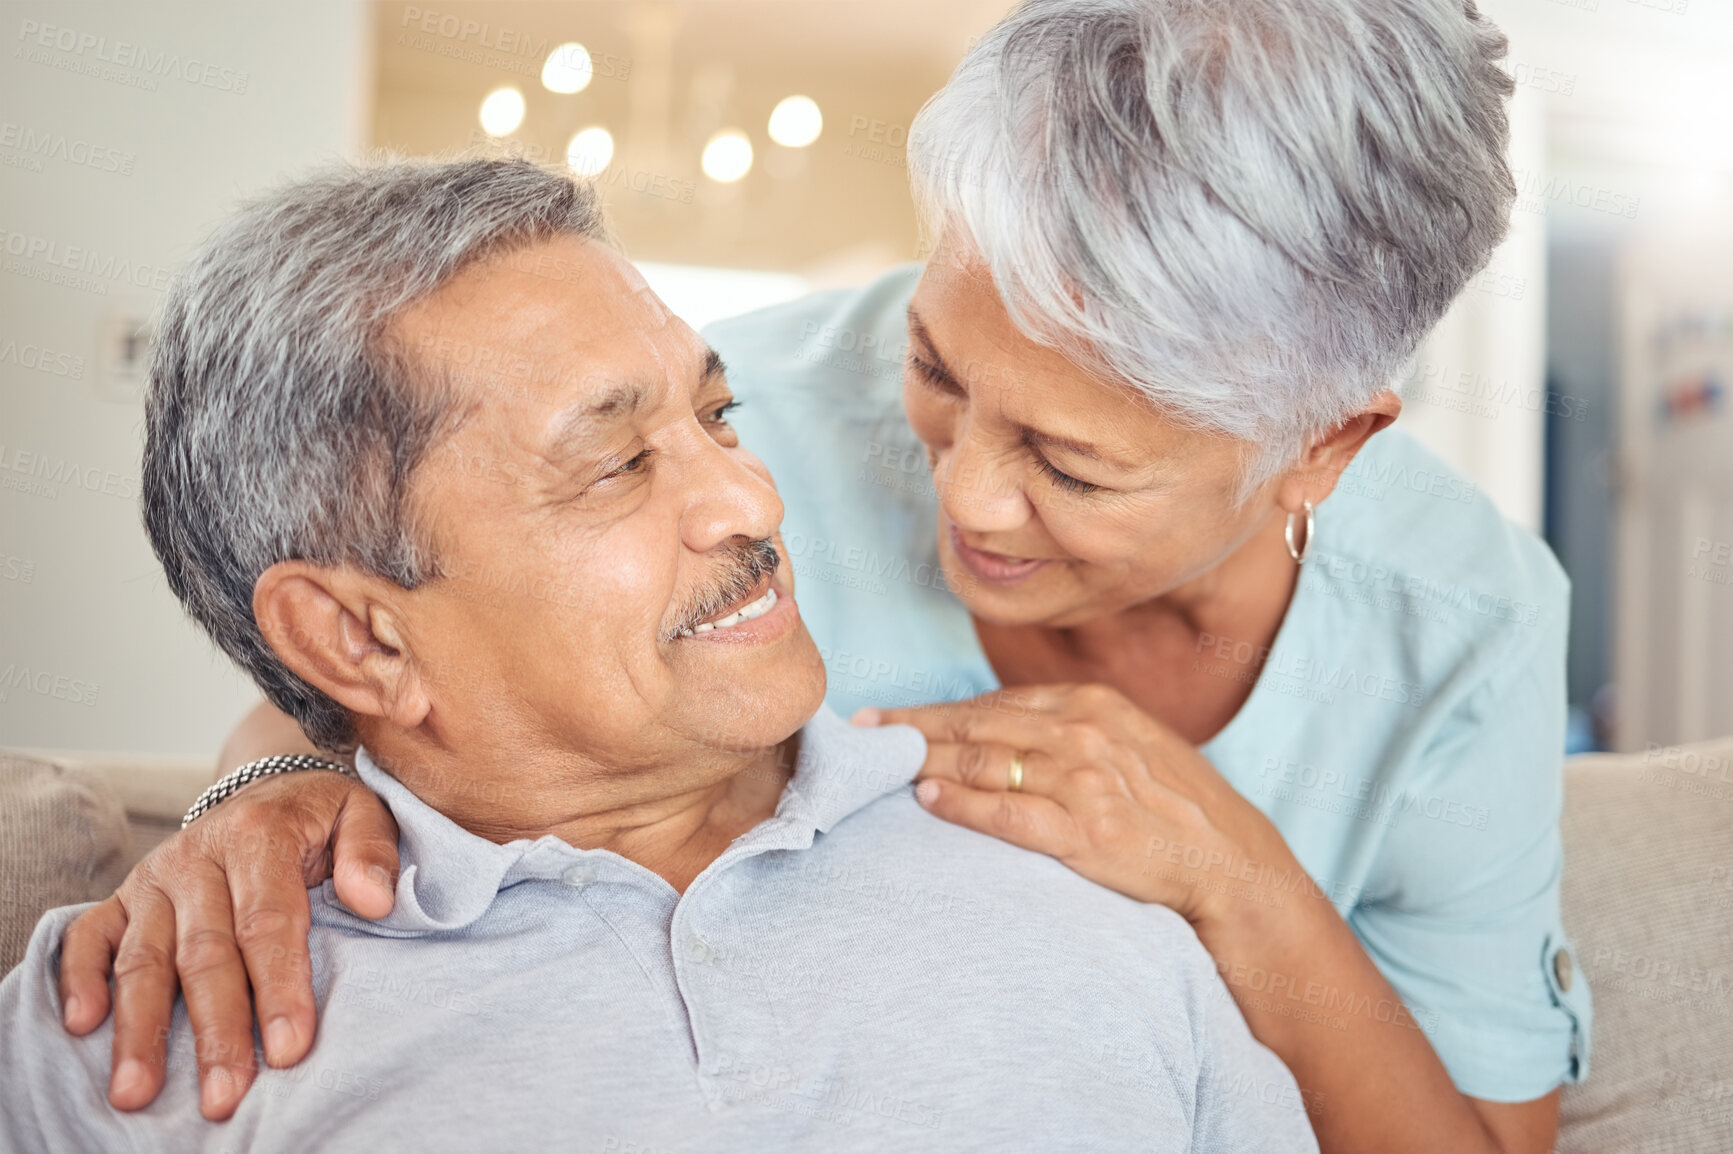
x,y
252,771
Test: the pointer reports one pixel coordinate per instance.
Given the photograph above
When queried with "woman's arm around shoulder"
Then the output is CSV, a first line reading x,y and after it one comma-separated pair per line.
x,y
219,912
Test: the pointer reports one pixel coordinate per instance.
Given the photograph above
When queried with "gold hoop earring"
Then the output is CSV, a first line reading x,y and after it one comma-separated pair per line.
x,y
1298,553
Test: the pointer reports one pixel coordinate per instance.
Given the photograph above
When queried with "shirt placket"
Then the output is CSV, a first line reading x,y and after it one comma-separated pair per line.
x,y
742,1052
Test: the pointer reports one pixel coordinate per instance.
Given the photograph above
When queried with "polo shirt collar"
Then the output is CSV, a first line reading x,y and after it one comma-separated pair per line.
x,y
449,876
842,768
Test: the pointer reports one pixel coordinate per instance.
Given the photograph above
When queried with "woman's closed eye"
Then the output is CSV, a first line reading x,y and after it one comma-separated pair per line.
x,y
1063,479
934,376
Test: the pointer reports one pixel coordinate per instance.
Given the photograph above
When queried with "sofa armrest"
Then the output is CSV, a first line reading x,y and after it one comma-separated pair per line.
x,y
152,787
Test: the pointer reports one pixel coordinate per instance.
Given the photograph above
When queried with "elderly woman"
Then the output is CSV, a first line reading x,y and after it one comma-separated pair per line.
x,y
1237,648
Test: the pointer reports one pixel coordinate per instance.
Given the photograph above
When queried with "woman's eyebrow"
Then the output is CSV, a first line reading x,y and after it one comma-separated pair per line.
x,y
1042,440
918,332
1033,437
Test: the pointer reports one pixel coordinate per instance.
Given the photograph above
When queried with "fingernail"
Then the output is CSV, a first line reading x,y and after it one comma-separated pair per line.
x,y
865,717
217,1092
130,1078
73,1005
280,1038
927,792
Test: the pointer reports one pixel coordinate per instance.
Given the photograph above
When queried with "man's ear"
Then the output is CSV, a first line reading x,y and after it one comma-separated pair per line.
x,y
1318,470
337,630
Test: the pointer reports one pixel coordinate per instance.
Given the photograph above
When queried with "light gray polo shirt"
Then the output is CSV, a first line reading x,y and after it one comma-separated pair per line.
x,y
851,975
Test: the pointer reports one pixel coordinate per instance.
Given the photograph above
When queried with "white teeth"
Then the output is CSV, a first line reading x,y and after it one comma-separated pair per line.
x,y
746,612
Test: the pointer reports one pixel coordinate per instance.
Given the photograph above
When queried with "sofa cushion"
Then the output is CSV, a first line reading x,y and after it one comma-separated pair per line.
x,y
155,789
63,839
1648,896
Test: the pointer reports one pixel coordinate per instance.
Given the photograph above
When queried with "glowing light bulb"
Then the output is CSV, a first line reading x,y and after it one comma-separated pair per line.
x,y
502,112
795,122
590,151
728,156
568,69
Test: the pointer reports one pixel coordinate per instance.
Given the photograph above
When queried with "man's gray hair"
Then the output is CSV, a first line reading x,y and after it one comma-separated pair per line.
x,y
281,422
1251,210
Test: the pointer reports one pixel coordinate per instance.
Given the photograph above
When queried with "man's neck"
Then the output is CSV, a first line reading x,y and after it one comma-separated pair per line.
x,y
676,833
679,837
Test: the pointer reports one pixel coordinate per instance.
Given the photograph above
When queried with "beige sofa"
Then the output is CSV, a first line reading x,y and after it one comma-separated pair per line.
x,y
1648,896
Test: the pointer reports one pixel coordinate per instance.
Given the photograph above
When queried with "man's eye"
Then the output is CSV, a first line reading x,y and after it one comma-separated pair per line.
x,y
634,465
1064,480
719,415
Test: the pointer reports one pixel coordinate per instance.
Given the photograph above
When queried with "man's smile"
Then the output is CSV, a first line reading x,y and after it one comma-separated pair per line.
x,y
760,604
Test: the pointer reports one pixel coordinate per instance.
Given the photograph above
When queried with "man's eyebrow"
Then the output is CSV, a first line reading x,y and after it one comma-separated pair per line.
x,y
616,402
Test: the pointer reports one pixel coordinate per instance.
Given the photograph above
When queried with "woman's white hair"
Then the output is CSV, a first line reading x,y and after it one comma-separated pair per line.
x,y
1251,210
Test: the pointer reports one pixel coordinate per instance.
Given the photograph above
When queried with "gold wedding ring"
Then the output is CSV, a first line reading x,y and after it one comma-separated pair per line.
x,y
1014,781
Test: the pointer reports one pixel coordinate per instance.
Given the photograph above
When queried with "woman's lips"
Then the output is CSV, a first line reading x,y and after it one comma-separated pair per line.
x,y
994,567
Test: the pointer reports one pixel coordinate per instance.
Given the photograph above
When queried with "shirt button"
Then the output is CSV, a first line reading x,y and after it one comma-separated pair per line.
x,y
1561,969
579,875
698,950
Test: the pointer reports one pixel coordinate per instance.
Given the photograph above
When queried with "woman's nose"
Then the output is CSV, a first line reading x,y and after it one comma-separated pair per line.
x,y
979,487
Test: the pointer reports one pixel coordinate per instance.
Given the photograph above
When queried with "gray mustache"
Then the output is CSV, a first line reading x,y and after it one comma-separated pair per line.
x,y
743,568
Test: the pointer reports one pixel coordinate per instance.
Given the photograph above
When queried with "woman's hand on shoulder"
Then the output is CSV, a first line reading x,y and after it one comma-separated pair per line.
x,y
216,911
1106,789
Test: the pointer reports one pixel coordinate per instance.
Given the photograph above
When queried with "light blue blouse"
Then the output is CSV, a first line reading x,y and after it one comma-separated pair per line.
x,y
1405,732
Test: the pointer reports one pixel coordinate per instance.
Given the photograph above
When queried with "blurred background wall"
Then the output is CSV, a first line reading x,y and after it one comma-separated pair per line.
x,y
1580,381
123,139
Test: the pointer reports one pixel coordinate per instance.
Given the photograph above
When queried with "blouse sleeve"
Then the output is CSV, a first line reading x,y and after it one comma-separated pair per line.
x,y
1465,921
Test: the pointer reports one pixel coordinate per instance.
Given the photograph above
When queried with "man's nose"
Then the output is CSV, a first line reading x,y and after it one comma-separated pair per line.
x,y
731,496
979,486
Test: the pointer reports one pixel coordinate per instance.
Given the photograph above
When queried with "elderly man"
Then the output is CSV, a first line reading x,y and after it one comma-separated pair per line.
x,y
429,460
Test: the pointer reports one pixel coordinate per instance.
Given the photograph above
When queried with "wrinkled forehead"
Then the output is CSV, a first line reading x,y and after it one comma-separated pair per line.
x,y
538,328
